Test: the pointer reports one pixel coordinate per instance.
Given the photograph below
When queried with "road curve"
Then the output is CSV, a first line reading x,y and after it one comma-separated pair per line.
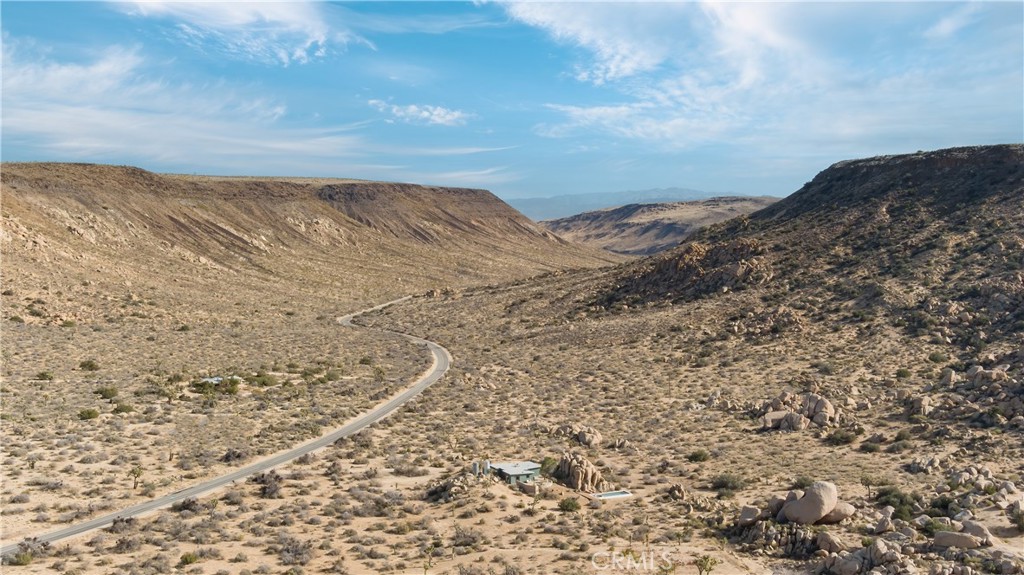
x,y
441,362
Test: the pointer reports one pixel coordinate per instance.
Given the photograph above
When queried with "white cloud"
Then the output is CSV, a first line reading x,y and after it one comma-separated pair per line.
x,y
109,109
623,39
278,32
475,178
423,114
768,75
952,23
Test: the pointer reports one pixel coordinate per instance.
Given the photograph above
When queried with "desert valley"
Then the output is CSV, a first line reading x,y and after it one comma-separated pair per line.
x,y
828,383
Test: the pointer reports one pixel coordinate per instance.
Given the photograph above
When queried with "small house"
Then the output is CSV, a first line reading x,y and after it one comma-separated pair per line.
x,y
516,471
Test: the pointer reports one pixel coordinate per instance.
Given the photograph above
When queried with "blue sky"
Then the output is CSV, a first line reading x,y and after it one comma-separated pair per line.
x,y
526,99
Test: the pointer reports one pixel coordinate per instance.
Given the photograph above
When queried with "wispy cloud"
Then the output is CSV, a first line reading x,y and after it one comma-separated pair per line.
x,y
758,74
481,177
272,32
422,114
109,108
950,24
624,41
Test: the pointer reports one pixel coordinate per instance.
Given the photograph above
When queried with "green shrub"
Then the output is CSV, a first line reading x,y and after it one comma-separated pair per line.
x,y
123,408
1017,518
88,413
68,323
802,482
868,447
841,437
262,378
188,558
107,392
21,558
902,373
938,357
903,503
16,319
569,505
89,365
728,480
899,446
44,376
698,456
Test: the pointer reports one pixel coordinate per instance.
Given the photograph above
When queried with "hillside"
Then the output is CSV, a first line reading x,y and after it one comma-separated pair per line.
x,y
864,333
91,231
644,229
833,384
126,294
899,233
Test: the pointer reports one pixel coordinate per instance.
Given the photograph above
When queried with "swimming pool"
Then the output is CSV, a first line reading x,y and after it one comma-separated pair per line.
x,y
613,494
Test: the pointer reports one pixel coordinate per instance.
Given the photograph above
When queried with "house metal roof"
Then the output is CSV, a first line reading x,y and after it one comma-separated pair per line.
x,y
516,467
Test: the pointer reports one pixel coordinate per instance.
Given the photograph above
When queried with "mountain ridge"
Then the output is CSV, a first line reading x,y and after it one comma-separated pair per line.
x,y
644,229
90,224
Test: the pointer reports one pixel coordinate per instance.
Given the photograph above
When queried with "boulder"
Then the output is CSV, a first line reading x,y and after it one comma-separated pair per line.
x,y
748,516
589,437
978,530
921,405
773,419
841,511
830,543
954,539
794,422
949,377
819,499
775,505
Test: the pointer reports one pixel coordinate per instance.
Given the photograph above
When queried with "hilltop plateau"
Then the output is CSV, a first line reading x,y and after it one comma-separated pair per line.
x,y
644,229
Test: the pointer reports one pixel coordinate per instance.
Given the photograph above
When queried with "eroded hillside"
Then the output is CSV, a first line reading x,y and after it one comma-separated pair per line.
x,y
95,232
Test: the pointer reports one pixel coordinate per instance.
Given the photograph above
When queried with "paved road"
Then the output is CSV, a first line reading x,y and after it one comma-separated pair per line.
x,y
442,361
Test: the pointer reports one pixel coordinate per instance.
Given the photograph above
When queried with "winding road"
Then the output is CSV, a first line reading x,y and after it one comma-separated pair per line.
x,y
441,362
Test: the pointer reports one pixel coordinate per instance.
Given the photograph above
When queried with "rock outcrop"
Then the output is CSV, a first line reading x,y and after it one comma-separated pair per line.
x,y
577,472
585,435
795,412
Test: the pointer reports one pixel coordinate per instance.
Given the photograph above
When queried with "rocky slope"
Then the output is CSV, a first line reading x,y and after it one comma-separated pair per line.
x,y
915,236
644,229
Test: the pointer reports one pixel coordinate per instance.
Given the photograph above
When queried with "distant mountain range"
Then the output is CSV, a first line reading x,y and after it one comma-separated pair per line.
x,y
554,207
643,229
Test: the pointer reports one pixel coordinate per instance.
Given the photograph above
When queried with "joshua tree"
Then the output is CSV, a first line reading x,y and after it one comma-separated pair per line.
x,y
136,474
704,564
